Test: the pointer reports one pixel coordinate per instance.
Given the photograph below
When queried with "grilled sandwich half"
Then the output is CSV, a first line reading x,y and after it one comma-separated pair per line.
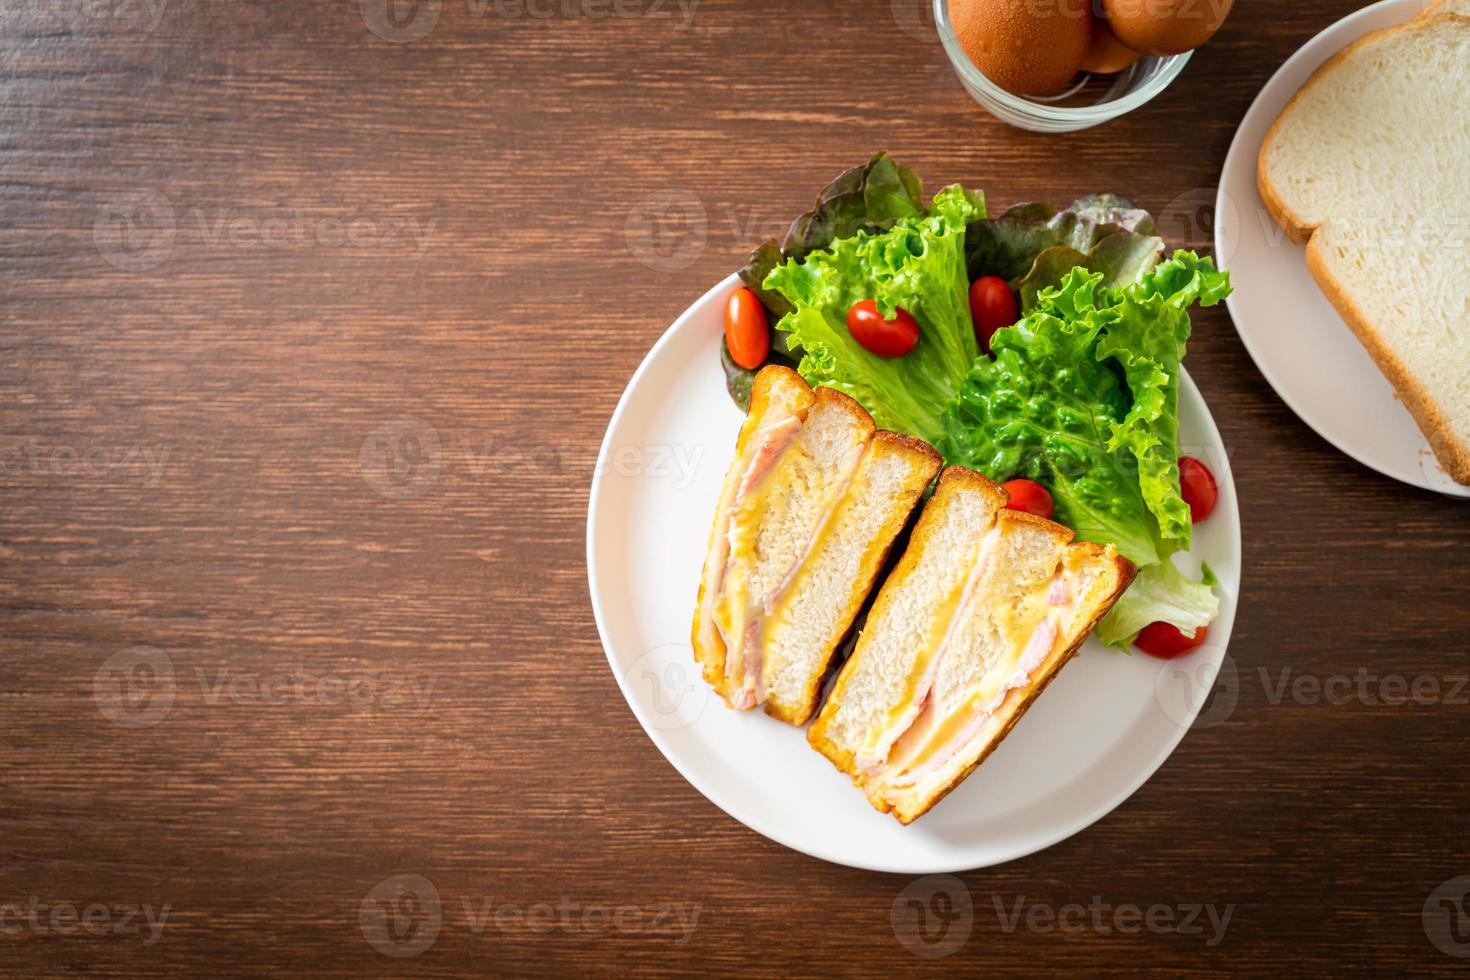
x,y
982,610
809,510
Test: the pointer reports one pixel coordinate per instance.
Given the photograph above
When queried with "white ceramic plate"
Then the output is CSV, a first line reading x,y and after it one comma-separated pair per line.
x,y
1295,336
1101,729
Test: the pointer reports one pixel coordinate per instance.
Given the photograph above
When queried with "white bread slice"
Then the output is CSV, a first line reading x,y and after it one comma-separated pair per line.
x,y
1368,167
812,530
837,579
984,608
931,573
1448,7
779,400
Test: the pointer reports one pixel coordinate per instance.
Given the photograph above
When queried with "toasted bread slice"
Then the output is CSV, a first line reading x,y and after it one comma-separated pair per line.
x,y
1461,7
983,610
1366,166
779,402
810,509
928,576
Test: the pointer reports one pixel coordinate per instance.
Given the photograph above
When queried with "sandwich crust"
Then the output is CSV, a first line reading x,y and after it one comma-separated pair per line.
x,y
709,648
783,390
926,462
763,392
1447,6
1021,699
1117,571
952,480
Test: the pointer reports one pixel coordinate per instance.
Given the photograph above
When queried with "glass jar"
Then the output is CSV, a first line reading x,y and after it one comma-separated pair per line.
x,y
1090,101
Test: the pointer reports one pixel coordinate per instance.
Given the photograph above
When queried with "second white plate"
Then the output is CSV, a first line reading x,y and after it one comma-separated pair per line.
x,y
1293,333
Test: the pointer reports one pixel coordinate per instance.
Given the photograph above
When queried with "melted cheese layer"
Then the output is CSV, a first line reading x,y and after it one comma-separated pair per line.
x,y
920,682
936,731
743,617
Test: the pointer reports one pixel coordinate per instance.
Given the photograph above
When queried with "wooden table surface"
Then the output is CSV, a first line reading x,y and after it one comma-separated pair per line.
x,y
314,315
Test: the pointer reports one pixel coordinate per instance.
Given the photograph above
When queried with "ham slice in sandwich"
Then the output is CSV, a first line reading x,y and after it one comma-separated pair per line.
x,y
981,612
810,507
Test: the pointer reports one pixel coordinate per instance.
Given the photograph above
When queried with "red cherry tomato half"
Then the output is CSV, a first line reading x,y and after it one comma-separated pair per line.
x,y
1029,496
886,338
1197,485
747,333
992,306
1166,641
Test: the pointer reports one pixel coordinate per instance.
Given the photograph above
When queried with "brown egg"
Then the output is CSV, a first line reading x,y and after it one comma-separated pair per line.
x,y
1108,55
1029,47
1165,27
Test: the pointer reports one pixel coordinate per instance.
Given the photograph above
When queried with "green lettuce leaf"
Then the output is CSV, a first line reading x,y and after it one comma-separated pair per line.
x,y
1082,394
1034,246
1161,593
1083,397
1046,408
917,264
1148,342
1122,259
867,198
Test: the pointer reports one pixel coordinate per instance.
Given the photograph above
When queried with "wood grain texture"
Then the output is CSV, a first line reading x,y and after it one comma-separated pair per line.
x,y
251,246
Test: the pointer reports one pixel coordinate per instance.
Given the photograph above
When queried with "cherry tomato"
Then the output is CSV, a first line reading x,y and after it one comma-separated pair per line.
x,y
992,306
1029,496
1197,484
747,333
886,338
1167,641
